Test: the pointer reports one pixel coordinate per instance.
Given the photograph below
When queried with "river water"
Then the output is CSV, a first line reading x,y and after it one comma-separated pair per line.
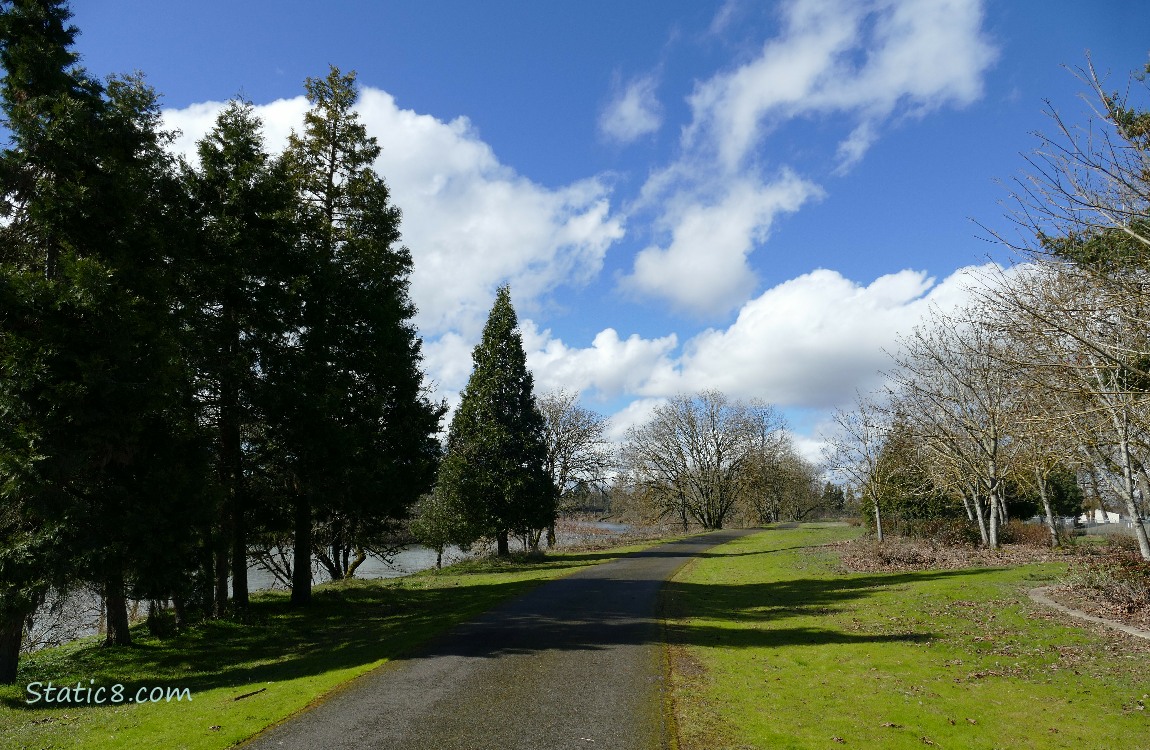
x,y
77,615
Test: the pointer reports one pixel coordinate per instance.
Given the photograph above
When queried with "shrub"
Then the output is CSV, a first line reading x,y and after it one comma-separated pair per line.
x,y
1029,534
1115,575
948,532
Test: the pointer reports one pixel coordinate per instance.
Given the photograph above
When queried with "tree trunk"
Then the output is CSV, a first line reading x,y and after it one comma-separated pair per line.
x,y
438,558
240,597
551,535
878,521
301,572
502,548
1051,525
992,540
180,607
360,559
231,461
11,636
1131,502
222,553
116,604
967,508
978,514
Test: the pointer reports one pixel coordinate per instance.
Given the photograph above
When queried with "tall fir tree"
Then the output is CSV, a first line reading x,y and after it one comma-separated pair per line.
x,y
495,469
237,291
98,462
358,428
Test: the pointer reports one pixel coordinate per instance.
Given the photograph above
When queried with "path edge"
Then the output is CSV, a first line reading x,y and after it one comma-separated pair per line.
x,y
1038,595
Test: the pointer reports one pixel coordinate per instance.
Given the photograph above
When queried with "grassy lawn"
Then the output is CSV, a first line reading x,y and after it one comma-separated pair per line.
x,y
772,648
293,657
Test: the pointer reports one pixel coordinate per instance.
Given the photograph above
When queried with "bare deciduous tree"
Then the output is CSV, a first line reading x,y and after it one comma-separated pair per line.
x,y
1087,357
855,452
578,451
955,387
691,458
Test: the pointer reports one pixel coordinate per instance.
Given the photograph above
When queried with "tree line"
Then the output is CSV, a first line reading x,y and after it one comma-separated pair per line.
x,y
1038,391
193,358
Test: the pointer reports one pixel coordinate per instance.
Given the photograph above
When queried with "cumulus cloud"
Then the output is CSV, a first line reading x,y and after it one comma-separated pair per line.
x,y
809,342
610,367
862,62
470,221
633,112
704,266
633,414
809,448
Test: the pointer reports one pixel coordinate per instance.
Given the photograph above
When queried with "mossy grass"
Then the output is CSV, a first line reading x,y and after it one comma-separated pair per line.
x,y
280,658
774,647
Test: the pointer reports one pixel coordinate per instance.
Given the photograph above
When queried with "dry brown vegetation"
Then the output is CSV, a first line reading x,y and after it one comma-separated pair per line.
x,y
1109,581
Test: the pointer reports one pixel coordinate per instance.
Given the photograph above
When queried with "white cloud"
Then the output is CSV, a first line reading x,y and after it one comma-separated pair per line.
x,y
633,112
808,448
729,108
609,368
809,342
813,340
723,18
915,54
634,414
471,222
852,150
704,266
447,361
865,62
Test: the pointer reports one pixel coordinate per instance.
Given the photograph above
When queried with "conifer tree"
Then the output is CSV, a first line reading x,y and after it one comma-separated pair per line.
x,y
98,460
358,429
495,467
239,311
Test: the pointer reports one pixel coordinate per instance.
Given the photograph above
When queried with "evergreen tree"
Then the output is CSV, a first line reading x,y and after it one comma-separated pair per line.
x,y
358,430
438,524
98,460
495,467
239,310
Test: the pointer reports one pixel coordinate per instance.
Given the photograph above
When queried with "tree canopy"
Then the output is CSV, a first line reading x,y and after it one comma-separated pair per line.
x,y
495,468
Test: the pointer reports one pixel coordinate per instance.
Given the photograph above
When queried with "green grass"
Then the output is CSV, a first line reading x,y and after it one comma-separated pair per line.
x,y
294,656
773,648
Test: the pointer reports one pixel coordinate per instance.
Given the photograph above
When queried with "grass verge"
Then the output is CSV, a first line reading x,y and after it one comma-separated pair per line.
x,y
243,677
773,647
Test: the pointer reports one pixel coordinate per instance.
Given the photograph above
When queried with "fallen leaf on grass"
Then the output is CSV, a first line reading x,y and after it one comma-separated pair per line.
x,y
892,725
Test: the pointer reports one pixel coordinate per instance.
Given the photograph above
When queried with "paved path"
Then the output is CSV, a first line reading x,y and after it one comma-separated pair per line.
x,y
575,663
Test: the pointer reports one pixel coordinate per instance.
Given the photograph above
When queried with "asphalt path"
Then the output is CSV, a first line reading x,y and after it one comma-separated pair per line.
x,y
574,663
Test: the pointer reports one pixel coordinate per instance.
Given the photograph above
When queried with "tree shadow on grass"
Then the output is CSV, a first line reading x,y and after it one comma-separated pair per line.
x,y
359,623
345,626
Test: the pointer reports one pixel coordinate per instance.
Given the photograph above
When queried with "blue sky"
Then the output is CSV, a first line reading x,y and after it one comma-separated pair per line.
x,y
751,196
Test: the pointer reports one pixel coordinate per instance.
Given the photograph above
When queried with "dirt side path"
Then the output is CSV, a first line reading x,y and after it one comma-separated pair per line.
x,y
575,663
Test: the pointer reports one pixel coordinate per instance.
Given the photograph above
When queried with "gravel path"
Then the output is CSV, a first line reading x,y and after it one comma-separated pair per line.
x,y
575,663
